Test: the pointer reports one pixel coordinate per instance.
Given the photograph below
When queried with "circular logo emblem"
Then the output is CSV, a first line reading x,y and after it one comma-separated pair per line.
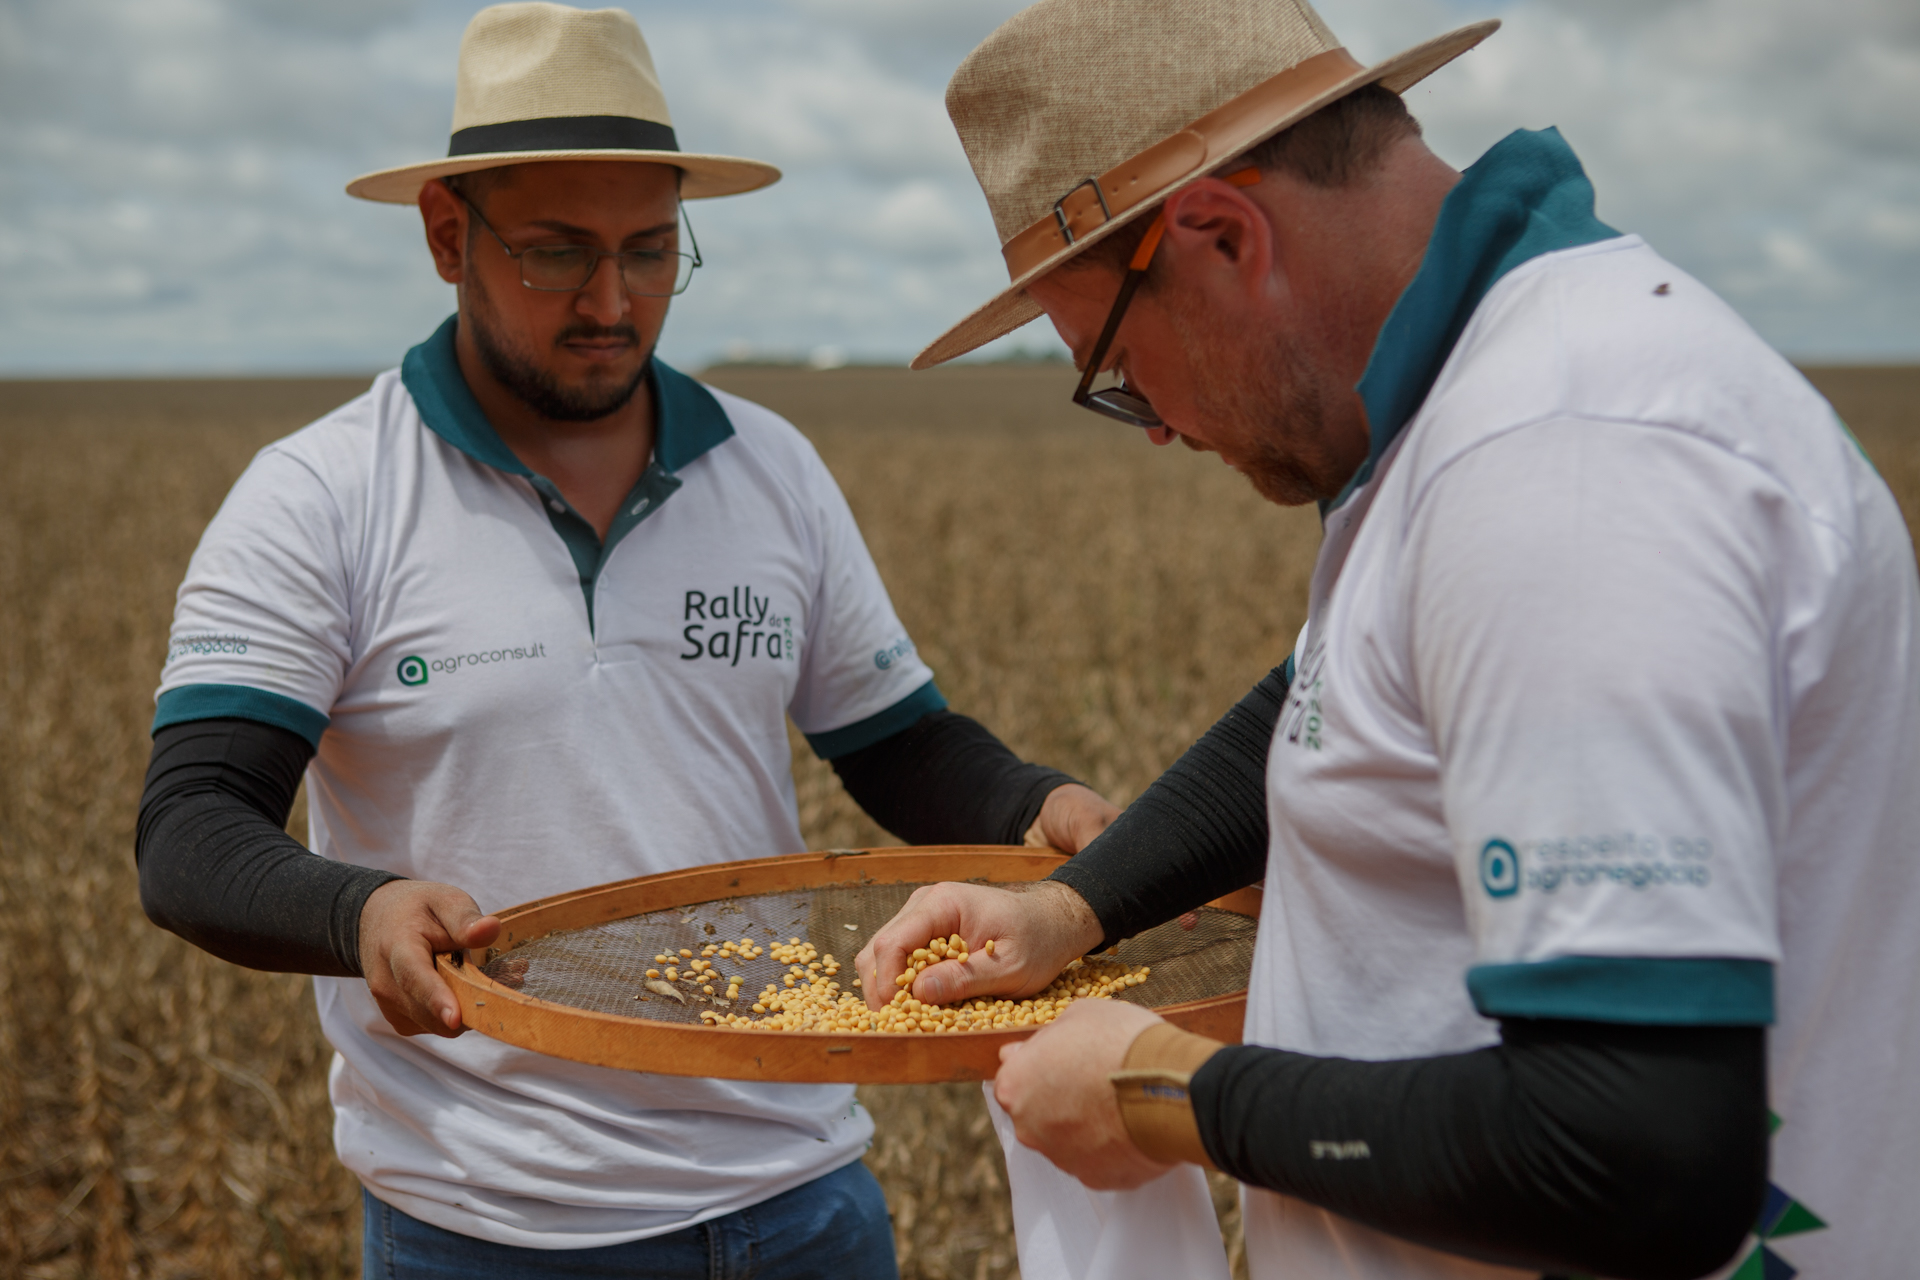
x,y
1499,869
413,670
883,659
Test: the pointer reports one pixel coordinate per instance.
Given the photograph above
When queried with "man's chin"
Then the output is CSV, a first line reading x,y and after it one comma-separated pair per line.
x,y
597,381
1279,479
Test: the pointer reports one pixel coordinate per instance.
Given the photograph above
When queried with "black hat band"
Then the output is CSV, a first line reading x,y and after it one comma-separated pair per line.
x,y
564,133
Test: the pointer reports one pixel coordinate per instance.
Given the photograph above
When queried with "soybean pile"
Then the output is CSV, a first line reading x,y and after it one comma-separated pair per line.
x,y
813,1001
1096,601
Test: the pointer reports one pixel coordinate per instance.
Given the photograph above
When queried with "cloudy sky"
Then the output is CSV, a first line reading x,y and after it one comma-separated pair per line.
x,y
171,170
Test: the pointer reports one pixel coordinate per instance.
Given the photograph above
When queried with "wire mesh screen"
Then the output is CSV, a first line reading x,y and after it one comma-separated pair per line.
x,y
603,968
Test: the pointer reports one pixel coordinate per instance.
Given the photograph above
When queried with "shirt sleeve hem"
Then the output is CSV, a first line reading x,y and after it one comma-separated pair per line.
x,y
864,733
1668,991
239,702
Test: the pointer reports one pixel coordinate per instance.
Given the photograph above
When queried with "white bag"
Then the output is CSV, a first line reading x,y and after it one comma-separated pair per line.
x,y
1165,1230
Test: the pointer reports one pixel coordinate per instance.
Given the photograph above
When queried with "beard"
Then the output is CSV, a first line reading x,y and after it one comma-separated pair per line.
x,y
537,387
1271,398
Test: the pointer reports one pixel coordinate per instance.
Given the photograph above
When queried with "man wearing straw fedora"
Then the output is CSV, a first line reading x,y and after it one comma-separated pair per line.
x,y
1585,804
531,615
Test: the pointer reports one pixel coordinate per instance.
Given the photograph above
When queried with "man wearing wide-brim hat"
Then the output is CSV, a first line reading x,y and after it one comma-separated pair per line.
x,y
1586,802
531,616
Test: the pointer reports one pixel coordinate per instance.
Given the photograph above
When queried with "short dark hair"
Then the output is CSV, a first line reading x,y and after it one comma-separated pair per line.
x,y
477,184
1336,146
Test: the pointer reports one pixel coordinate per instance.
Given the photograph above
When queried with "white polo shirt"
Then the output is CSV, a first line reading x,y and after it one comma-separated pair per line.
x,y
501,704
1608,708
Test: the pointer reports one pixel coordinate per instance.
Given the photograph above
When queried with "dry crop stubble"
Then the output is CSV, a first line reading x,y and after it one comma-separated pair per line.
x,y
1096,601
163,1113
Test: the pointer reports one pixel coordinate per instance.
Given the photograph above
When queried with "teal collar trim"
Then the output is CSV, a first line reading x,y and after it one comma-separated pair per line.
x,y
431,374
1525,197
655,486
688,421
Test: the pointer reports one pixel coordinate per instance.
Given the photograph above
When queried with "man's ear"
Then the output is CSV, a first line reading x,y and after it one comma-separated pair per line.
x,y
1219,236
445,219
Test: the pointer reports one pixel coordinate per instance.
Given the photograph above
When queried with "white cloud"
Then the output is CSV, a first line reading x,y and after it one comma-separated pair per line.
x,y
170,175
1749,140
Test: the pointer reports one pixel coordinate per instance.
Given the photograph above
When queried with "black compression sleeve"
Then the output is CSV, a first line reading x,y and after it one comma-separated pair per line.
x,y
947,780
1197,833
217,866
1637,1152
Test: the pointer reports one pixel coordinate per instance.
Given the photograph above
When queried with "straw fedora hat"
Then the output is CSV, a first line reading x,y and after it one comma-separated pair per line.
x,y
546,82
1079,116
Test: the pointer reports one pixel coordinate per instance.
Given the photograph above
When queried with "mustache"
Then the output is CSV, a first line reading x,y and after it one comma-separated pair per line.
x,y
623,332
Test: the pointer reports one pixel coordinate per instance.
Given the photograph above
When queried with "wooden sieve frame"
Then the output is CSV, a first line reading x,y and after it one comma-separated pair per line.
x,y
665,1048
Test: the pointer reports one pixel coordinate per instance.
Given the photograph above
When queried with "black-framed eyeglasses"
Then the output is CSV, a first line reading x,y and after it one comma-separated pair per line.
x,y
566,268
1119,402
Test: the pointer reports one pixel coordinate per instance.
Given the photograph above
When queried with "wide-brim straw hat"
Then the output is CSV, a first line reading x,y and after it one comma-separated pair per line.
x,y
546,82
1079,116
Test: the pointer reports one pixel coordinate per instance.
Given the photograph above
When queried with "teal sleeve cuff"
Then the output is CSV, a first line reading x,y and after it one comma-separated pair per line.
x,y
1663,991
239,702
864,733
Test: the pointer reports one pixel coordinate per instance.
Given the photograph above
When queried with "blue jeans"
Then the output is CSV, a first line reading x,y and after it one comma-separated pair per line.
x,y
833,1228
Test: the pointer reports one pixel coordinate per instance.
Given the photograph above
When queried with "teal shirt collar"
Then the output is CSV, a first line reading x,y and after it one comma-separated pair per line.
x,y
689,421
1525,197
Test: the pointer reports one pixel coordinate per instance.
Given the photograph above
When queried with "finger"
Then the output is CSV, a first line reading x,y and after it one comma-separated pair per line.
x,y
460,920
398,1017
478,932
884,958
431,1000
951,980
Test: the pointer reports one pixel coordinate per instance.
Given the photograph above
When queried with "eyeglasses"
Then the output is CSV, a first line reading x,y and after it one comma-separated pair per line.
x,y
1118,402
566,268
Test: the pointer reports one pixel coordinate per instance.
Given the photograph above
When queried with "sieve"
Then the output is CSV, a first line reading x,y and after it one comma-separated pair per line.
x,y
567,975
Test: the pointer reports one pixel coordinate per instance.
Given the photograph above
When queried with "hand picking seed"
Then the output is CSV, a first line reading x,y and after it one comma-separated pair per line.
x,y
811,1001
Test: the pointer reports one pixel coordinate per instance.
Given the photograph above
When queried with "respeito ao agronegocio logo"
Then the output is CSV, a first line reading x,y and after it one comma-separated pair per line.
x,y
1631,859
1499,869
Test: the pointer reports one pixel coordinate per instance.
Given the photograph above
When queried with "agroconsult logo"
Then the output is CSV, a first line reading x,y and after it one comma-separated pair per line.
x,y
415,669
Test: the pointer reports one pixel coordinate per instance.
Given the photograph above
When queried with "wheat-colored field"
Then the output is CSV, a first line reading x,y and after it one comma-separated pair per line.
x,y
1096,601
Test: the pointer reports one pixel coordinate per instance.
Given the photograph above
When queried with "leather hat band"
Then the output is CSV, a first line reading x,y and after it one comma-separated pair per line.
x,y
1217,136
564,133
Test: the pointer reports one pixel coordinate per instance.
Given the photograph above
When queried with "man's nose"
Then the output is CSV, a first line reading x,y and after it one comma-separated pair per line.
x,y
603,298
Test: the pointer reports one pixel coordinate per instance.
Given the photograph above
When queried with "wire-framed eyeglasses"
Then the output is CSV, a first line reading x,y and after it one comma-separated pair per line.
x,y
1120,402
566,268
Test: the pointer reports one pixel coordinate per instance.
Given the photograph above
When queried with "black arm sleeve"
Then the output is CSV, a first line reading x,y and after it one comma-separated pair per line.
x,y
1637,1152
217,866
1197,833
947,780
